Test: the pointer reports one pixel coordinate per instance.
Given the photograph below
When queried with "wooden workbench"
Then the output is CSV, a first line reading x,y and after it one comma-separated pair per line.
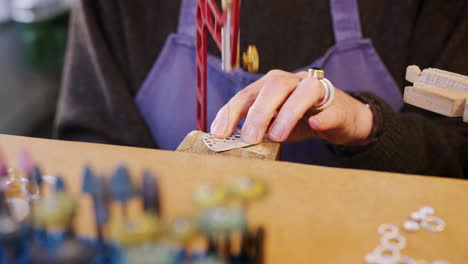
x,y
313,215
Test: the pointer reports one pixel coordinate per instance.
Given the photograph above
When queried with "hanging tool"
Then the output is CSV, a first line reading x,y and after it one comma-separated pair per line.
x,y
224,28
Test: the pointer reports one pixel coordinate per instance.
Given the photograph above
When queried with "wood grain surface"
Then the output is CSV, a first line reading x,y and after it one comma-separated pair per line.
x,y
312,215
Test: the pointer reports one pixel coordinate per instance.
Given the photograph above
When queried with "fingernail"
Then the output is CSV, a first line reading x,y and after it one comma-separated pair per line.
x,y
251,135
314,122
218,129
213,125
277,131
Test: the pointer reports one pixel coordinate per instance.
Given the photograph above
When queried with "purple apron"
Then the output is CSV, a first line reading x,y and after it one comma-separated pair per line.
x,y
167,99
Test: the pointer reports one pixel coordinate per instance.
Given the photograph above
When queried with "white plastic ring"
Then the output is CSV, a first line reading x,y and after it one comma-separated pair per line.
x,y
371,258
387,229
407,260
427,210
410,226
393,240
433,224
441,261
387,254
418,216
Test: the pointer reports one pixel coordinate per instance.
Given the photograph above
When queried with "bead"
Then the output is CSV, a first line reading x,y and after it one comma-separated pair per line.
x,y
138,231
410,226
220,219
247,189
55,210
206,196
151,253
182,230
20,208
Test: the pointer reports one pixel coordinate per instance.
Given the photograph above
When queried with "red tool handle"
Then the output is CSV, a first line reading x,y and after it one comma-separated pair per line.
x,y
210,19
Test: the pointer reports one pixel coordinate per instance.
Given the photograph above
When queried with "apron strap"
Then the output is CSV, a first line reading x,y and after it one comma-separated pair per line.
x,y
345,15
187,17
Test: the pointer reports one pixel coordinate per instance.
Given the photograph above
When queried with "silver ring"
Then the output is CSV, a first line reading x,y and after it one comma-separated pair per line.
x,y
427,210
441,261
407,260
417,216
329,96
392,240
387,254
433,224
387,229
410,226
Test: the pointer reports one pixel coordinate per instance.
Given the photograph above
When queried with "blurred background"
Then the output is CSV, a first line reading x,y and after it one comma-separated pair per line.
x,y
33,35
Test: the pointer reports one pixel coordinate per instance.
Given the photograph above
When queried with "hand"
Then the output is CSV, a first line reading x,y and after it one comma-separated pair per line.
x,y
280,104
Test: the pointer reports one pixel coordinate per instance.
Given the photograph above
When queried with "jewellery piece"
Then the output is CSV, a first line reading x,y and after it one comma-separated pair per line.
x,y
441,261
407,260
331,98
206,196
433,224
316,73
422,261
251,59
393,240
427,210
387,254
329,88
182,230
417,216
410,226
247,189
371,258
387,229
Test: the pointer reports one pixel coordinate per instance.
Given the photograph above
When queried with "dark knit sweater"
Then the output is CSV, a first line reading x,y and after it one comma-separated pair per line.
x,y
113,45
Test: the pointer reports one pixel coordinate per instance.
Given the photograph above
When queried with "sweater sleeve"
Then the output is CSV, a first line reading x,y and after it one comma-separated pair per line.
x,y
96,102
439,36
410,143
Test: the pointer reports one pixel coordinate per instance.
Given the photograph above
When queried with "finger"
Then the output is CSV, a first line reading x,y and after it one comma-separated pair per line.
x,y
235,110
346,121
302,74
332,117
276,89
307,94
329,119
